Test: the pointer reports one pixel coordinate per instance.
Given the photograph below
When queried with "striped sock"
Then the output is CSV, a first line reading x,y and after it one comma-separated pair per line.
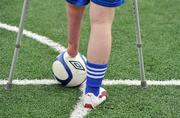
x,y
95,75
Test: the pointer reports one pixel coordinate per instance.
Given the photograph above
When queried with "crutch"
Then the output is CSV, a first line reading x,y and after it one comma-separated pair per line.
x,y
139,42
18,44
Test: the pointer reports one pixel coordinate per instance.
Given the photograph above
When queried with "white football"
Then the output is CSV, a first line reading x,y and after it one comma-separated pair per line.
x,y
70,72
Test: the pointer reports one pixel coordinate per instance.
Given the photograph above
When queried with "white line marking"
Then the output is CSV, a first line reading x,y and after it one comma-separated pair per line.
x,y
105,82
137,82
79,110
31,82
42,39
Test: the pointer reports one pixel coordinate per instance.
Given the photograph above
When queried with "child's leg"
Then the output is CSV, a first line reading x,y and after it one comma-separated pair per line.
x,y
74,14
99,47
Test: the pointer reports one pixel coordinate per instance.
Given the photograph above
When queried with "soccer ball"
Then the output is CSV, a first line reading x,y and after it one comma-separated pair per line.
x,y
70,72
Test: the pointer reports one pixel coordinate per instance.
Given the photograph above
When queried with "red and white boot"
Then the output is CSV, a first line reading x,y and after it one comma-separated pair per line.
x,y
90,100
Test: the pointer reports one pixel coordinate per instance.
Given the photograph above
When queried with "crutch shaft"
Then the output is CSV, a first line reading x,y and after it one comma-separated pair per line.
x,y
139,42
18,43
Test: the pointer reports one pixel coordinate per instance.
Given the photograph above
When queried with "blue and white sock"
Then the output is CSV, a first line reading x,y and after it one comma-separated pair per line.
x,y
95,75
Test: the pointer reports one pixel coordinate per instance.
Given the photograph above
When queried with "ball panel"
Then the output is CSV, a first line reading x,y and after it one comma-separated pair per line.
x,y
77,80
79,70
59,70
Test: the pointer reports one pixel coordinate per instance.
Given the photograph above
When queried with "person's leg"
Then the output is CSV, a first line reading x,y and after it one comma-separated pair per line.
x,y
74,14
99,47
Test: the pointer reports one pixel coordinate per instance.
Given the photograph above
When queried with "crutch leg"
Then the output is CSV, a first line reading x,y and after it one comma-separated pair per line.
x,y
18,44
139,42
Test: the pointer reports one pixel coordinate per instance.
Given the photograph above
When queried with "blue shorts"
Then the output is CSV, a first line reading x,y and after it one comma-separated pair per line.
x,y
106,3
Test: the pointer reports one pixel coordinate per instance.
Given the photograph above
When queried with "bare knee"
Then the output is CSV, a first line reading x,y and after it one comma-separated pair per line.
x,y
75,9
101,15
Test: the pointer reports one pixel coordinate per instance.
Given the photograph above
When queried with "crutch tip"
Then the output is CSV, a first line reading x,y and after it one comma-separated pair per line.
x,y
8,86
144,84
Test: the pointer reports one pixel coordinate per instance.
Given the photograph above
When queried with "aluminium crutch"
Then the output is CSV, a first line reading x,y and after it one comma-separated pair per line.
x,y
139,42
18,44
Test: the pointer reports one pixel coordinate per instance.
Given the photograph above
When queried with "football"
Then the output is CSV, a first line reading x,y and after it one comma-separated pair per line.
x,y
68,71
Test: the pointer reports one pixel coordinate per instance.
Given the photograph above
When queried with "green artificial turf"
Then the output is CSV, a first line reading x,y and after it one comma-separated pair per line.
x,y
136,102
161,46
37,102
124,102
34,62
